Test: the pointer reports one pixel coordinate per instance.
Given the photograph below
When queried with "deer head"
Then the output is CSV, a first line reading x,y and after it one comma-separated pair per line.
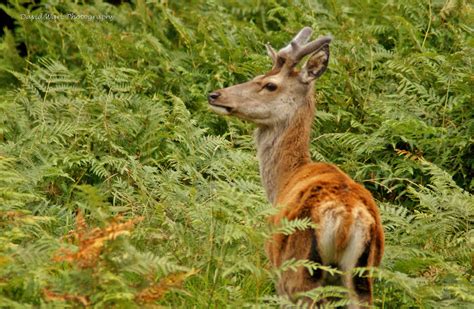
x,y
275,96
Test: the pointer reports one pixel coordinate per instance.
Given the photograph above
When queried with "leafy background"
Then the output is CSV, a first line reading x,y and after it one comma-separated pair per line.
x,y
119,188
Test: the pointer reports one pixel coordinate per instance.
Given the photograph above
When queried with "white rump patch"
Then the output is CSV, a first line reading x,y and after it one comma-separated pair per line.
x,y
360,234
355,247
332,216
329,227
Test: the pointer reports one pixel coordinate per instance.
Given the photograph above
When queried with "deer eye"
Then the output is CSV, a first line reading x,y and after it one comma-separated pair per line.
x,y
270,86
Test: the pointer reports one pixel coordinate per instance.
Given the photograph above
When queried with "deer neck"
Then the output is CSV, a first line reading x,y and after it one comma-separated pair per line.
x,y
283,148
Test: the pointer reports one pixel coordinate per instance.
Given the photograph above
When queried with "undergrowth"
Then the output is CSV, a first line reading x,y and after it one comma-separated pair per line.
x,y
119,188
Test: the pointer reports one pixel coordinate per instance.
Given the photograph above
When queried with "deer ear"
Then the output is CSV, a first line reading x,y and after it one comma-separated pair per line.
x,y
271,52
315,65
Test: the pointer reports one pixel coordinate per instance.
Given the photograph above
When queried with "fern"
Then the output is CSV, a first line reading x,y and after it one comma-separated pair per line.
x,y
288,227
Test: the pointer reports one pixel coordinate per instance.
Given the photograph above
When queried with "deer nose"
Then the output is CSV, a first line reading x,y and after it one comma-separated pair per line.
x,y
213,96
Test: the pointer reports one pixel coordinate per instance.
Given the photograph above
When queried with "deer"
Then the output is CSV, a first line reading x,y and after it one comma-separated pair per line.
x,y
347,230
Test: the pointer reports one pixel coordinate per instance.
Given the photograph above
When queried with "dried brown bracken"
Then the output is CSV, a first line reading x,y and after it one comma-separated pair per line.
x,y
90,242
53,296
157,291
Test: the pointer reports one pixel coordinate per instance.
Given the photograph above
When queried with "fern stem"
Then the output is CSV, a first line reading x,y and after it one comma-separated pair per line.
x,y
429,25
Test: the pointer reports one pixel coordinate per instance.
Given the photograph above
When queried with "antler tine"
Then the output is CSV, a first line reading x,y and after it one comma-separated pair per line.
x,y
297,48
312,46
301,38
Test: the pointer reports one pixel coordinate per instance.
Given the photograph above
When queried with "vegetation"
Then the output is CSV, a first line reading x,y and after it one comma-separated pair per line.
x,y
119,188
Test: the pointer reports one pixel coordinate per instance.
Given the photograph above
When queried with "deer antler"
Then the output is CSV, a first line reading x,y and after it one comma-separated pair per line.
x,y
297,49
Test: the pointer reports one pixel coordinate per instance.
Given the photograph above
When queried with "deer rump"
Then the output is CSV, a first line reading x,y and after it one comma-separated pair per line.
x,y
348,233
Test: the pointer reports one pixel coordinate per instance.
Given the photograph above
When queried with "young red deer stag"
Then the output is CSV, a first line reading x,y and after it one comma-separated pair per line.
x,y
348,229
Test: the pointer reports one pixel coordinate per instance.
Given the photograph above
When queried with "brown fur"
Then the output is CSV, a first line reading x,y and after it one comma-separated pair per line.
x,y
304,187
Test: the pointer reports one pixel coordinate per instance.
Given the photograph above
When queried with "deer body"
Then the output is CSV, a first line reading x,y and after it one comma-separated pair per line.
x,y
349,232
